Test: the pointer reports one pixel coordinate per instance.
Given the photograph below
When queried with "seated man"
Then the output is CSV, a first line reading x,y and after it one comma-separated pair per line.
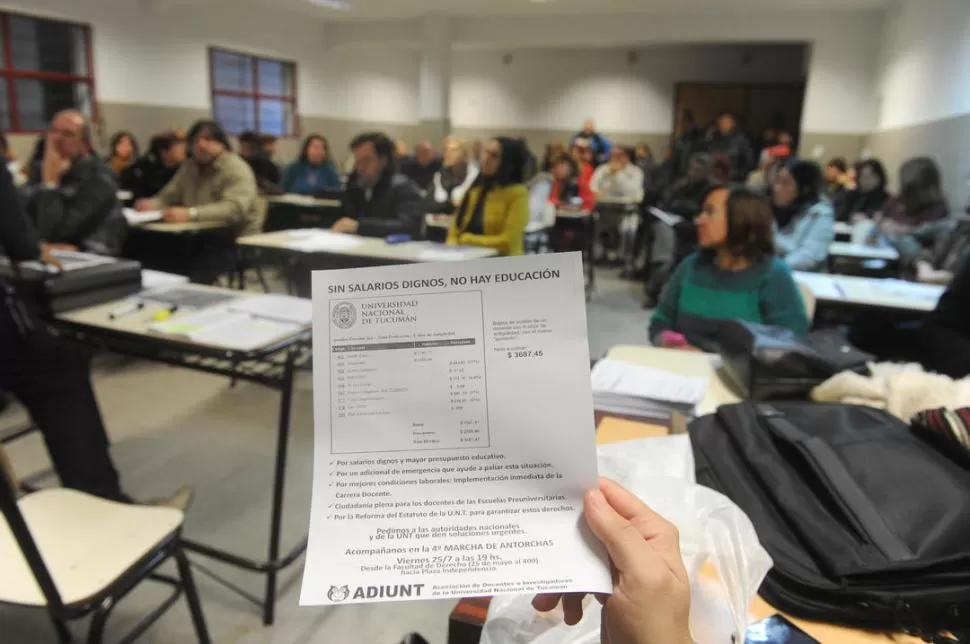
x,y
52,378
148,175
252,150
75,203
379,201
214,185
422,167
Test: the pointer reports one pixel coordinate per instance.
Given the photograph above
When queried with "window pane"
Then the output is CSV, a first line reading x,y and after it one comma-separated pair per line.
x,y
45,45
236,114
39,100
276,117
275,78
232,71
4,106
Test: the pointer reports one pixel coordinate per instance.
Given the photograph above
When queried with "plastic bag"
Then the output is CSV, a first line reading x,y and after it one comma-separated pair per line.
x,y
712,528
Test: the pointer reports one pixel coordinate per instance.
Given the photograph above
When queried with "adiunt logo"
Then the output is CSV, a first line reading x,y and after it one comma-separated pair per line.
x,y
338,593
398,591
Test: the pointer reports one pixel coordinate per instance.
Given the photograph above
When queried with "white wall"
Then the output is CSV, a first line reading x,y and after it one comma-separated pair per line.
x,y
558,88
925,75
377,84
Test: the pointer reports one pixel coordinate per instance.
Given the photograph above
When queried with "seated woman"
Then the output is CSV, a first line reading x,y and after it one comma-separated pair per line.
x,y
454,179
869,196
553,151
734,276
124,151
914,220
313,171
804,218
568,188
495,209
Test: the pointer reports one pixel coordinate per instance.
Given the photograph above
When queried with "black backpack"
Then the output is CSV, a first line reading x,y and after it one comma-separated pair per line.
x,y
868,525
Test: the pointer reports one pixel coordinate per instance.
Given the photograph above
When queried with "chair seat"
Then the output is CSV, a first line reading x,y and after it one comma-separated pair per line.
x,y
86,542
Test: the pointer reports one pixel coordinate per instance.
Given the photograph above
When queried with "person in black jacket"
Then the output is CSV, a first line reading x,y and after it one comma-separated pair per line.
x,y
379,201
870,194
252,151
945,335
75,202
729,140
422,167
152,172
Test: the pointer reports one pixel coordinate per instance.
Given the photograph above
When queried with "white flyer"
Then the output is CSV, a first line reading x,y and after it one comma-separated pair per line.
x,y
454,432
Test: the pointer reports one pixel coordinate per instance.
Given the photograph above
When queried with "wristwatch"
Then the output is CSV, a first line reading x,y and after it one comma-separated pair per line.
x,y
193,213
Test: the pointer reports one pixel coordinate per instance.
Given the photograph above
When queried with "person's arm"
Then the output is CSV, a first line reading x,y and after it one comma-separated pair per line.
x,y
807,246
515,223
171,194
605,146
289,178
409,210
595,182
237,199
438,191
331,177
945,337
587,195
665,316
781,302
17,236
60,221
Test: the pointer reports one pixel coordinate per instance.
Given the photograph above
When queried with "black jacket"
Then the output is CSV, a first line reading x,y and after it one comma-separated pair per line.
x,y
395,206
267,173
422,175
146,177
849,202
18,240
737,148
83,210
945,336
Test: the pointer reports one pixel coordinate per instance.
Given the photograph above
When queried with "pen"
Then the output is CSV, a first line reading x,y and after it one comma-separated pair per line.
x,y
165,313
126,309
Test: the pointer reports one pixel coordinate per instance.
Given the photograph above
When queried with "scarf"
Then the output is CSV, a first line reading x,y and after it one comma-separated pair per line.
x,y
453,177
476,223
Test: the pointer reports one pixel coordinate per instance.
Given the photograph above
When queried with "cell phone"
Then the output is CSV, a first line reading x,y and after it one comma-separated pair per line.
x,y
777,630
397,239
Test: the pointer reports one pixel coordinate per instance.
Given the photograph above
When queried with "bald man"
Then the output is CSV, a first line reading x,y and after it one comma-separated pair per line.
x,y
598,143
75,205
422,167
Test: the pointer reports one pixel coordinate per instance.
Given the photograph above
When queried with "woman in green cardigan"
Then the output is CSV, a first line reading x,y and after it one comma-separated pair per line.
x,y
734,276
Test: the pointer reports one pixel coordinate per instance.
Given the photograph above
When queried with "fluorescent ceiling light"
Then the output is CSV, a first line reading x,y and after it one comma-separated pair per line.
x,y
339,5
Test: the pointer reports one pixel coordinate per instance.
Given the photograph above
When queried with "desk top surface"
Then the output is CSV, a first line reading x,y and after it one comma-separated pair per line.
x,y
861,251
138,323
890,294
685,363
181,227
303,200
372,247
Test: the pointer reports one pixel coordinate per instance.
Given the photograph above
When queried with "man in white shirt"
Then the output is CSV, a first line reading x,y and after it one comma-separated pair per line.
x,y
619,179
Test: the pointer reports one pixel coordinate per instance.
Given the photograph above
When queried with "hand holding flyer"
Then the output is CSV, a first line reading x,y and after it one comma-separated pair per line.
x,y
454,432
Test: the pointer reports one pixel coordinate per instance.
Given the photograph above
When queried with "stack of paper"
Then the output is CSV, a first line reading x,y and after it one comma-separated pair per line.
x,y
70,261
277,308
134,217
623,389
321,240
221,327
157,279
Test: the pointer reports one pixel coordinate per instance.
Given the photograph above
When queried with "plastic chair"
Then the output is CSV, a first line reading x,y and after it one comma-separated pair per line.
x,y
75,555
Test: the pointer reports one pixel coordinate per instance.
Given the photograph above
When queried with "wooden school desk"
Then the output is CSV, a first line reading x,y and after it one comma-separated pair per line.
x,y
884,295
272,365
846,257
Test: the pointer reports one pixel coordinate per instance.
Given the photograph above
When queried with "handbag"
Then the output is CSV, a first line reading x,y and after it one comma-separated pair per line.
x,y
767,362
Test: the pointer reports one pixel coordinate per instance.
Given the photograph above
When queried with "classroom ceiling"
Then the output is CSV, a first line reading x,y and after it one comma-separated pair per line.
x,y
392,9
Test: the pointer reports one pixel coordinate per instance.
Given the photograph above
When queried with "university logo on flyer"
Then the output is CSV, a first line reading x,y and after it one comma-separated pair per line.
x,y
341,593
338,593
344,315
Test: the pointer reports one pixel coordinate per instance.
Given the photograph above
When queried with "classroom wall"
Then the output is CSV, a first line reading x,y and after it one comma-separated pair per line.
x,y
924,90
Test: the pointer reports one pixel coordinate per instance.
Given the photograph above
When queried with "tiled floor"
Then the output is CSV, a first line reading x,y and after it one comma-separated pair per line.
x,y
172,427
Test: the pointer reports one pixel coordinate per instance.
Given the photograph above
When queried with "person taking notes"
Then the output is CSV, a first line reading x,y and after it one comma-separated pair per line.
x,y
734,276
495,210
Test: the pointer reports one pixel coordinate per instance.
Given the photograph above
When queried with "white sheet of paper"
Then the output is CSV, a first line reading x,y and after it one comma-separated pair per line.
x,y
615,377
822,286
134,217
70,261
441,255
454,435
667,217
157,279
909,290
220,327
325,240
282,308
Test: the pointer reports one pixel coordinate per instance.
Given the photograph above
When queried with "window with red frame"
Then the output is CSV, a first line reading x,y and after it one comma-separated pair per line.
x,y
253,93
45,68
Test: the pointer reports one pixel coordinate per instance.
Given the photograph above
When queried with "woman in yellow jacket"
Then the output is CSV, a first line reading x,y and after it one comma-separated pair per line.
x,y
495,209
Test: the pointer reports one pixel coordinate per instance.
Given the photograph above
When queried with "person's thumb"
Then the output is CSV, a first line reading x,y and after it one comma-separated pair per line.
x,y
623,541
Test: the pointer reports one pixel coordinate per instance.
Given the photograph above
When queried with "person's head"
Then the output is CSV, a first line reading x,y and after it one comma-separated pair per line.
x,y
503,159
699,168
920,184
835,169
124,146
720,168
453,154
401,149
169,149
870,176
207,140
554,149
643,151
249,144
70,135
797,182
315,150
736,221
578,150
589,127
424,152
619,157
564,167
372,154
267,144
786,139
725,122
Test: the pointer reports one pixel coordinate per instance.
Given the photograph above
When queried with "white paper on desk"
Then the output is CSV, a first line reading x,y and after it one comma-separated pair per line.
x,y
822,286
668,218
157,279
908,290
441,255
220,327
325,240
453,432
615,377
281,308
134,217
70,260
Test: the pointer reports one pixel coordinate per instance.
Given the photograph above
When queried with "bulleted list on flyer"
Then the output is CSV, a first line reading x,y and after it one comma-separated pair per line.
x,y
454,435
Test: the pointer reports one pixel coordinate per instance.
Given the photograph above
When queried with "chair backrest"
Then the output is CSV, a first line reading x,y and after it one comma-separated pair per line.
x,y
21,534
808,298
